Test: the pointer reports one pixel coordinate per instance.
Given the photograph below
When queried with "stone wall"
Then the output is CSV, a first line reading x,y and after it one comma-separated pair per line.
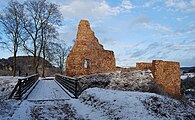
x,y
125,69
143,65
88,56
167,77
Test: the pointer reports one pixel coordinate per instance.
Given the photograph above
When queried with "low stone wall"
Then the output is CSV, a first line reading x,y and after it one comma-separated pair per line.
x,y
143,65
125,69
134,80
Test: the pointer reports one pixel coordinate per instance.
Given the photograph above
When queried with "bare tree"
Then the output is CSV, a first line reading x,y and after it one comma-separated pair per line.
x,y
62,58
11,22
49,35
57,53
40,15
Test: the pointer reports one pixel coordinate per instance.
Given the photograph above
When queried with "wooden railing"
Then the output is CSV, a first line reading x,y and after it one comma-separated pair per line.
x,y
23,86
70,84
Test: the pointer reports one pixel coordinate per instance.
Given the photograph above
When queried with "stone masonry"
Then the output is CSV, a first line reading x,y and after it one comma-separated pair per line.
x,y
88,56
166,75
143,65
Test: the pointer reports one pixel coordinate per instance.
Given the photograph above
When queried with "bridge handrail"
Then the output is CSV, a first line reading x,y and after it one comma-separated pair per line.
x,y
71,84
23,85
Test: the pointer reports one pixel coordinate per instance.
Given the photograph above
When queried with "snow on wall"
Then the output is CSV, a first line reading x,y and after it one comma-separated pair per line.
x,y
134,80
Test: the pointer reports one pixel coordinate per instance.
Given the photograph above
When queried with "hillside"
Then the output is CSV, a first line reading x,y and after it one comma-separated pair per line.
x,y
188,69
24,64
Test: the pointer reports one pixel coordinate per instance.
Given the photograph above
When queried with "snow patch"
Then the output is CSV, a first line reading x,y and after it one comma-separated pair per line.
x,y
7,108
86,111
129,105
169,108
116,104
7,84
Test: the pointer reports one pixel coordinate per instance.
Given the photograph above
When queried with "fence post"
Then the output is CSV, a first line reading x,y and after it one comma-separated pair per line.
x,y
76,88
19,89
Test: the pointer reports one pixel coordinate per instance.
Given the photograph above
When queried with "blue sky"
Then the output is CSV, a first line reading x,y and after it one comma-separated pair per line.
x,y
136,30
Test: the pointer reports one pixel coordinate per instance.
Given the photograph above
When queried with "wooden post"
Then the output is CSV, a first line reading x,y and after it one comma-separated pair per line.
x,y
76,86
19,89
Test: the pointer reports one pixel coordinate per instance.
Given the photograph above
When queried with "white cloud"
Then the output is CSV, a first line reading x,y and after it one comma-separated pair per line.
x,y
186,6
181,4
171,35
140,19
104,9
157,27
181,18
92,9
144,21
150,3
177,4
126,5
190,10
193,2
191,32
114,29
188,31
109,41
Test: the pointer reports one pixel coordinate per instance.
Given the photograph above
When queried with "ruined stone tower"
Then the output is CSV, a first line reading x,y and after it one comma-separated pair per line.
x,y
88,55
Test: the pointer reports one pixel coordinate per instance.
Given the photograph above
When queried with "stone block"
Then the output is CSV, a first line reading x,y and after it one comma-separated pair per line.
x,y
167,76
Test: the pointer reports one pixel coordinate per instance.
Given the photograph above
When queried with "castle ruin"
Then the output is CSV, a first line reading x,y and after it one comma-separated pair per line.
x,y
88,55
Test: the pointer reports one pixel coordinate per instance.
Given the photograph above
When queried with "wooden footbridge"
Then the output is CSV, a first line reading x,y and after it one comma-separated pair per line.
x,y
35,88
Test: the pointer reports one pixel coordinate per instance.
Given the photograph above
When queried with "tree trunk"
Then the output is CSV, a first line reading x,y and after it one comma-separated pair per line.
x,y
37,65
14,66
35,57
38,58
43,63
43,67
34,64
60,65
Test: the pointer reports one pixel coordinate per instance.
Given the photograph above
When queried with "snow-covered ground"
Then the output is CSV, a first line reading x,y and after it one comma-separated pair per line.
x,y
7,107
104,104
93,104
117,104
7,83
183,77
187,75
127,105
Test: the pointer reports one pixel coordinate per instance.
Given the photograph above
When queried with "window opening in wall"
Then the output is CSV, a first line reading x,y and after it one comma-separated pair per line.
x,y
86,63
